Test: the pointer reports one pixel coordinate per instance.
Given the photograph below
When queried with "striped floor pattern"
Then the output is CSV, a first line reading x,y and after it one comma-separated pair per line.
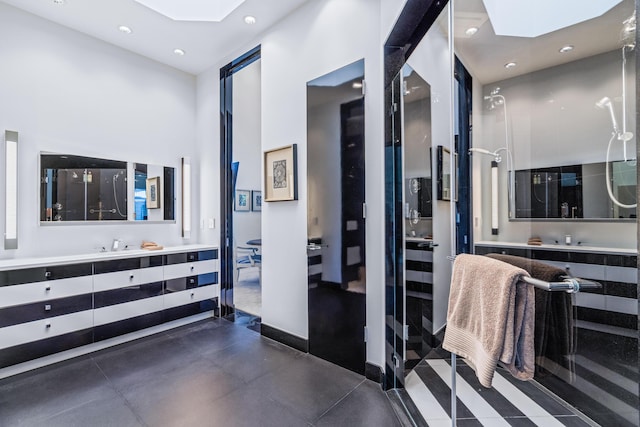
x,y
508,403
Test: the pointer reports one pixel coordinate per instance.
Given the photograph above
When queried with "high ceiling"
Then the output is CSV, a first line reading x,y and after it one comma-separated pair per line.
x,y
155,35
485,53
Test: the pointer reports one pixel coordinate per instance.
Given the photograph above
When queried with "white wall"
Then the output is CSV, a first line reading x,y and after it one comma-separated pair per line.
x,y
314,40
66,92
247,147
553,121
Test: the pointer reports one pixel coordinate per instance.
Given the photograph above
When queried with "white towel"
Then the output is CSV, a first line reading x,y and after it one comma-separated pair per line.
x,y
491,317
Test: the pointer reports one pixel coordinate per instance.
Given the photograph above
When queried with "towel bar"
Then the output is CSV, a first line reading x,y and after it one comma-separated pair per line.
x,y
569,284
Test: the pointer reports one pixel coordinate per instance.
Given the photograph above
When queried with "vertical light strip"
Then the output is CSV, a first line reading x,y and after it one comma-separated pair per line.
x,y
186,197
494,198
11,190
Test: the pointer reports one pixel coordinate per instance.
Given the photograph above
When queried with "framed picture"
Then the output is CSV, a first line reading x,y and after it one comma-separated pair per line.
x,y
256,201
153,192
242,201
281,174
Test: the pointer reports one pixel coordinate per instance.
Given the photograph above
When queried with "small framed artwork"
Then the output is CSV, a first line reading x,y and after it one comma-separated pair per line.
x,y
242,201
281,174
256,201
153,192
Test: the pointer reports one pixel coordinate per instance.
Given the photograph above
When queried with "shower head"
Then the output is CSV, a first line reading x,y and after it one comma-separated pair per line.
x,y
605,103
495,154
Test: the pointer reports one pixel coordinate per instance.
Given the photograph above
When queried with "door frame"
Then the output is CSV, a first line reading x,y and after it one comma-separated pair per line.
x,y
226,176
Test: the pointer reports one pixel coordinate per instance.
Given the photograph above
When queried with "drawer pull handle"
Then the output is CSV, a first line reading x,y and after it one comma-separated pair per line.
x,y
192,294
47,325
47,289
192,267
47,307
131,277
47,274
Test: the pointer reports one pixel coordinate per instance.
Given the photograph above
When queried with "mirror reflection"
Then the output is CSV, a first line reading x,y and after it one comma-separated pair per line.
x,y
77,188
577,191
416,93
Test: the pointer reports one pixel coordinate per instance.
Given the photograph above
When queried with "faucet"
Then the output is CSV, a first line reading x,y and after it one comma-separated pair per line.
x,y
117,245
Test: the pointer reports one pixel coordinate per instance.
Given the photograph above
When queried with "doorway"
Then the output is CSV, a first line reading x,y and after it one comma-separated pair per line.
x,y
241,201
335,221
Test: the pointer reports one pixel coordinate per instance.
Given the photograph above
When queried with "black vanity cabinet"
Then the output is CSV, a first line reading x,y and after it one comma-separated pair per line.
x,y
50,305
44,310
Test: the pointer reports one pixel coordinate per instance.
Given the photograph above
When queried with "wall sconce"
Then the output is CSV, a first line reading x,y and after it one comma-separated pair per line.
x,y
186,197
11,190
494,198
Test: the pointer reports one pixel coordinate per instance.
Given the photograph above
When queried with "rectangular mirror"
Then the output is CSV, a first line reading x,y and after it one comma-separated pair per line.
x,y
577,191
77,188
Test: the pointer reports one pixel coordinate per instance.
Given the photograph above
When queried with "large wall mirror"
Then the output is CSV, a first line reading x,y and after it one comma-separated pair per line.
x,y
76,188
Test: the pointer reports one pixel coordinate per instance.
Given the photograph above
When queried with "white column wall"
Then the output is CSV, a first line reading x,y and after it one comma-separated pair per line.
x,y
314,40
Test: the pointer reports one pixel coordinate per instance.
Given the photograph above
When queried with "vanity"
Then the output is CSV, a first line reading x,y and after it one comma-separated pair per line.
x,y
54,304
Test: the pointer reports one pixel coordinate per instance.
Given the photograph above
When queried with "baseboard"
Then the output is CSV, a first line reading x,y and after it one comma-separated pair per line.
x,y
374,373
285,338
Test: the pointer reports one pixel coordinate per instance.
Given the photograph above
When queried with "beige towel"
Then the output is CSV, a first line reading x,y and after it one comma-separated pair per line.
x,y
491,317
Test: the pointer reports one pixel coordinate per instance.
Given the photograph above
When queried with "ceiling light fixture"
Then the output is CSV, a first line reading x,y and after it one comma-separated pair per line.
x,y
567,48
179,52
471,31
124,29
249,19
510,65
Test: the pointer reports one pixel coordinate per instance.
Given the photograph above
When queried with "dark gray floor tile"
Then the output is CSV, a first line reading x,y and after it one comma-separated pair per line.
x,y
309,386
181,392
253,358
99,413
209,339
250,407
138,362
202,326
365,406
43,393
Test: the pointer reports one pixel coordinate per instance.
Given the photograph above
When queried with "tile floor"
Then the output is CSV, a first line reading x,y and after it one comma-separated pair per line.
x,y
210,373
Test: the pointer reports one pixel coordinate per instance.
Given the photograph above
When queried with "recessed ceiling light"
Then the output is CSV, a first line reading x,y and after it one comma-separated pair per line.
x,y
567,48
125,29
249,19
356,85
471,31
510,65
179,52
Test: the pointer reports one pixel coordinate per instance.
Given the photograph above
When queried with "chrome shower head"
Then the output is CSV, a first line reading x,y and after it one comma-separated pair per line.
x,y
605,103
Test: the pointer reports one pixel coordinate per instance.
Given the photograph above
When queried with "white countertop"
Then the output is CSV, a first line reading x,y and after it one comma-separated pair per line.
x,y
558,247
17,263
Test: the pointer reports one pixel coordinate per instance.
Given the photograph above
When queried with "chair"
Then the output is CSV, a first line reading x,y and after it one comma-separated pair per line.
x,y
247,257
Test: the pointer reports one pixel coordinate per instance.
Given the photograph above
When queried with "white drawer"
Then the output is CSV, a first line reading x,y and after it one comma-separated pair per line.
x,y
175,271
201,293
122,279
42,329
115,313
42,291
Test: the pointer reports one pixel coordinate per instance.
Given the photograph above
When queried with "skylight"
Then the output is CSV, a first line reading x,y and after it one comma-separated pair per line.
x,y
193,10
